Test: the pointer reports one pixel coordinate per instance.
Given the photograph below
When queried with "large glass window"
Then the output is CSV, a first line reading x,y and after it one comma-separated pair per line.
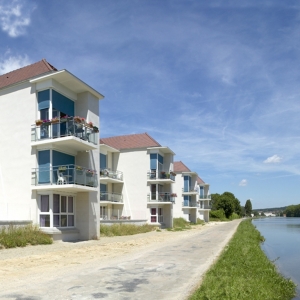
x,y
57,208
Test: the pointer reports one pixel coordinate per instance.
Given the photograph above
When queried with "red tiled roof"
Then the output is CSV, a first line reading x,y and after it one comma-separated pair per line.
x,y
179,166
131,141
199,180
25,73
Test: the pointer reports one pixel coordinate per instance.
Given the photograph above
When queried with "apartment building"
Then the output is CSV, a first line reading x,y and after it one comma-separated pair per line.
x,y
193,197
49,162
136,180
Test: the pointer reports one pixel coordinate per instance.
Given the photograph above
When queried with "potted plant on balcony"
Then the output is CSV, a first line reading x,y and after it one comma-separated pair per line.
x,y
168,175
90,173
163,174
95,129
90,125
38,122
62,168
173,195
79,120
172,173
79,170
65,118
55,120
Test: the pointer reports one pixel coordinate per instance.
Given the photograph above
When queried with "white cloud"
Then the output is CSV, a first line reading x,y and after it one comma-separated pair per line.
x,y
273,159
14,17
243,182
13,63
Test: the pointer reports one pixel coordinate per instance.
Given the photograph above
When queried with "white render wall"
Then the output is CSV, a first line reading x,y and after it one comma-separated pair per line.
x,y
134,164
17,114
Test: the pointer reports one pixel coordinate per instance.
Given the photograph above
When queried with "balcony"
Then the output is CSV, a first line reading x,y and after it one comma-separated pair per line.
x,y
64,177
111,197
191,204
159,176
207,196
189,191
204,206
65,133
107,175
161,197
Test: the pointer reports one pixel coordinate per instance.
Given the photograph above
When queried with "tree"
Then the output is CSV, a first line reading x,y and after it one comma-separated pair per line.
x,y
227,204
255,213
248,208
214,201
262,214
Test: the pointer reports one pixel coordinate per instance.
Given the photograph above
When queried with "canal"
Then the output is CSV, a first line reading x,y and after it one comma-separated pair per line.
x,y
282,245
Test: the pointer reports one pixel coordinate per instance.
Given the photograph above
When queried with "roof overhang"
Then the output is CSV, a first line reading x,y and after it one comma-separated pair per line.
x,y
70,81
162,149
189,173
108,148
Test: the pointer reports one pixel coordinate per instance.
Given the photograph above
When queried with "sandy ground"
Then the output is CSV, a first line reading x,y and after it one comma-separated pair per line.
x,y
18,262
156,265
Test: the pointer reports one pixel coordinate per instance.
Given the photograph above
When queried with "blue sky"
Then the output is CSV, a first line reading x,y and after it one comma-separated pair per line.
x,y
217,83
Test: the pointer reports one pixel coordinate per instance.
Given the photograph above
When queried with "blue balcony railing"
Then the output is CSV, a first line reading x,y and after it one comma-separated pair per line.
x,y
64,174
63,128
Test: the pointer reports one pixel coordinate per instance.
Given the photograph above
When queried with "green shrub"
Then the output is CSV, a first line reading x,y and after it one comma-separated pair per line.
x,y
234,216
13,236
125,229
180,222
217,215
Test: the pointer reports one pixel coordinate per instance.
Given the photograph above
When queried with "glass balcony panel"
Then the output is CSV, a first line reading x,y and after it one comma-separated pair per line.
x,y
112,197
65,174
111,174
62,128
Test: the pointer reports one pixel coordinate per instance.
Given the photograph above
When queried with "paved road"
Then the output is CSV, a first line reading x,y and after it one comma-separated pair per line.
x,y
166,271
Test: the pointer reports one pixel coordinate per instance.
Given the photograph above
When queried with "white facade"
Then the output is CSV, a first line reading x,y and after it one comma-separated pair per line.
x,y
49,172
193,197
144,193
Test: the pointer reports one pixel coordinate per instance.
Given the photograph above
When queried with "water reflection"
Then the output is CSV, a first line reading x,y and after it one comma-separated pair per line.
x,y
282,245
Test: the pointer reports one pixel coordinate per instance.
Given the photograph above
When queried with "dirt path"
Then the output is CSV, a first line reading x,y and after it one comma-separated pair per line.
x,y
39,272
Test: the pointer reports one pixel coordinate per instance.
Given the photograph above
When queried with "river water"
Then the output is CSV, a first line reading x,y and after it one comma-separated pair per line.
x,y
282,245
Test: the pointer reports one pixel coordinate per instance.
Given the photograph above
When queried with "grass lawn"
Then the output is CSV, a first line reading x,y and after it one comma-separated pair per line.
x,y
243,271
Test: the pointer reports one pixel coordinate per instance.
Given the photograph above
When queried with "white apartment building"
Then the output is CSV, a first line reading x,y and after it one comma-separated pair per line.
x,y
49,162
193,197
136,180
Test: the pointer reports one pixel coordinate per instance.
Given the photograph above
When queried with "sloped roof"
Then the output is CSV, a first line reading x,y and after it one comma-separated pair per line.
x,y
131,141
199,180
179,166
25,73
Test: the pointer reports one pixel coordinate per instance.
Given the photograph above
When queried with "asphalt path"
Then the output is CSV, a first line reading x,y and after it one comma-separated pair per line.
x,y
168,270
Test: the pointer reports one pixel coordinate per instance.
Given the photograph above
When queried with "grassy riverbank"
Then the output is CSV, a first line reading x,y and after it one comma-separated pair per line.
x,y
244,272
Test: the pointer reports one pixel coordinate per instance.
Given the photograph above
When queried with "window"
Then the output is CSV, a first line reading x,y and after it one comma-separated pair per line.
x,y
57,211
153,215
63,211
45,211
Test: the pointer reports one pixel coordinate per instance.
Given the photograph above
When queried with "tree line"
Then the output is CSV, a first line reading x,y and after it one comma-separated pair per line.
x,y
292,211
230,205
